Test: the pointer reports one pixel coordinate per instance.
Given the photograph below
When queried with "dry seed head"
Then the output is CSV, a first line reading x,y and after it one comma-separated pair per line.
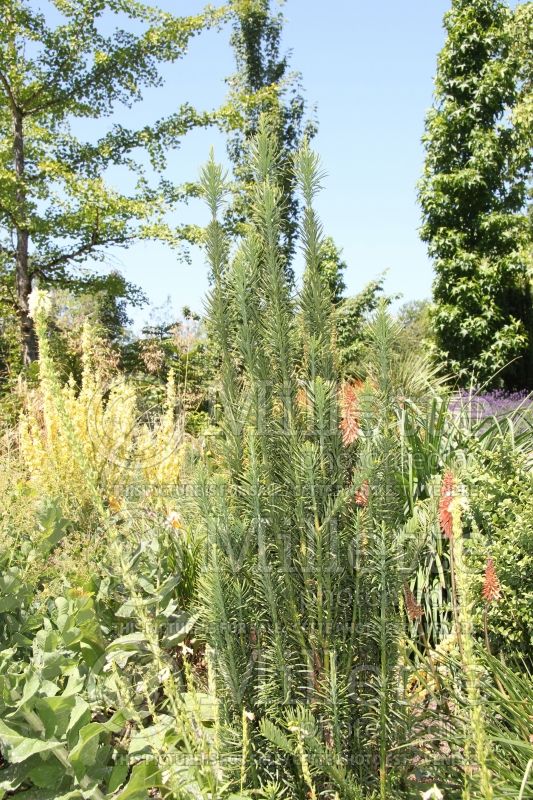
x,y
152,355
414,610
362,495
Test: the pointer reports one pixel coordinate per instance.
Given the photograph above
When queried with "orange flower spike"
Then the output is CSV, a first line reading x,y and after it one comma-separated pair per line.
x,y
362,494
302,401
349,424
445,502
491,585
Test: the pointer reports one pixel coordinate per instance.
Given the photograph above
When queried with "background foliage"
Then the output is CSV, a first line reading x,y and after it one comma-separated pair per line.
x,y
474,195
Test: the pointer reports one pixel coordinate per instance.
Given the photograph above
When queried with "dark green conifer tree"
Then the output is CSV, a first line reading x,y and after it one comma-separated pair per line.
x,y
303,513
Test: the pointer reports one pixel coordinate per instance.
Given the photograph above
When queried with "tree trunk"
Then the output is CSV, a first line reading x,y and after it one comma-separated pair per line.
x,y
30,348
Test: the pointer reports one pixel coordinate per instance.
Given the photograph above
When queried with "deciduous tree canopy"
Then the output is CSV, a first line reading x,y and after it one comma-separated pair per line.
x,y
473,195
80,62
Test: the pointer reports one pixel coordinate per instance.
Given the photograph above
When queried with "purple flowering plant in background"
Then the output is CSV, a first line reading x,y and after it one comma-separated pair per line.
x,y
497,403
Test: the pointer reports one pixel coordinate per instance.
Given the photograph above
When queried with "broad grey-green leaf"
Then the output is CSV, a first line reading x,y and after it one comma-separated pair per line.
x,y
75,683
178,628
85,752
156,736
119,773
79,716
13,776
144,776
22,747
126,610
131,641
47,774
49,542
55,714
11,589
32,684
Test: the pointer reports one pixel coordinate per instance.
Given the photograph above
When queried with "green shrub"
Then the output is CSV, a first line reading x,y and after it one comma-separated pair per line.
x,y
500,491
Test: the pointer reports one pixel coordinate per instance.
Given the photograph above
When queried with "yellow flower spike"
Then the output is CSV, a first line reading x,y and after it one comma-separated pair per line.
x,y
114,503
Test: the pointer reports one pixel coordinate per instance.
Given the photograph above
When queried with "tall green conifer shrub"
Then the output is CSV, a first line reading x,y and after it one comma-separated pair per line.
x,y
300,597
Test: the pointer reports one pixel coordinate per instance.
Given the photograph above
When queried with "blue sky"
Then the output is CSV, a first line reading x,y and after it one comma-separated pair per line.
x,y
368,68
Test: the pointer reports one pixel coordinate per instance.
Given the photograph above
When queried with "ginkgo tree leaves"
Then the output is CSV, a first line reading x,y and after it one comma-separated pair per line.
x,y
57,208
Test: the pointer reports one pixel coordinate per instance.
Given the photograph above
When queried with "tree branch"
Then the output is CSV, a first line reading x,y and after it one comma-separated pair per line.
x,y
7,251
9,92
82,251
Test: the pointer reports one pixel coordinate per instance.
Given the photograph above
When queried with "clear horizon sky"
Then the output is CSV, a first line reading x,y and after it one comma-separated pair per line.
x,y
368,68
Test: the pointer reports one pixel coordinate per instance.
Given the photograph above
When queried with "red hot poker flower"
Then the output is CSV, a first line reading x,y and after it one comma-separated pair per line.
x,y
349,423
361,495
491,585
446,497
302,399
